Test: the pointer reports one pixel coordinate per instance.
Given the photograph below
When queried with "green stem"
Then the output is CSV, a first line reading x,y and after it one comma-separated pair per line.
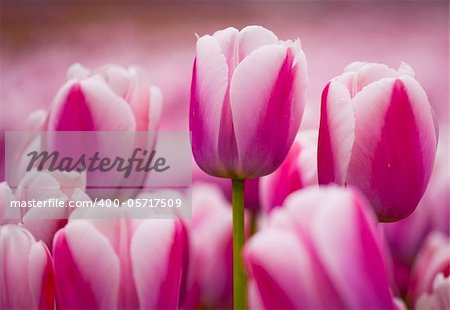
x,y
239,278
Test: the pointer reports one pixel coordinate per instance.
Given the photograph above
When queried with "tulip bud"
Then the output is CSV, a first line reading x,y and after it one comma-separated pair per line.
x,y
26,271
378,133
246,101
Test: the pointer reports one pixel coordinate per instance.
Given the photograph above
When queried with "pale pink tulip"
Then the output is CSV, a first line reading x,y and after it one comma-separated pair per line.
x,y
378,133
210,235
26,280
247,100
320,251
297,171
42,186
120,263
433,262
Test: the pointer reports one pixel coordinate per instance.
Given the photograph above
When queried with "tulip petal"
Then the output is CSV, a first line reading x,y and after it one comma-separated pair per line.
x,y
209,86
251,38
156,107
287,282
140,100
285,180
81,106
86,268
71,110
261,93
41,276
393,117
158,251
44,223
210,236
77,71
253,296
275,275
336,134
367,73
103,100
118,79
227,40
8,214
301,81
334,229
15,245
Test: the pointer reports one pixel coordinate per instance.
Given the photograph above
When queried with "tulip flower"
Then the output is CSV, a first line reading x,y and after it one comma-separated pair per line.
x,y
42,186
406,237
109,98
320,251
210,236
120,263
297,171
26,280
243,83
247,100
431,272
378,133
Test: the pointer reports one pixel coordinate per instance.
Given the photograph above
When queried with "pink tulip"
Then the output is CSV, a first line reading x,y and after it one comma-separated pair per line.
x,y
406,237
431,271
109,98
41,186
320,251
246,101
210,235
297,171
378,132
120,263
26,280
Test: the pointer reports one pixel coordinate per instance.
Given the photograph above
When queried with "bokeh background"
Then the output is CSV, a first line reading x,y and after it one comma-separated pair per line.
x,y
41,39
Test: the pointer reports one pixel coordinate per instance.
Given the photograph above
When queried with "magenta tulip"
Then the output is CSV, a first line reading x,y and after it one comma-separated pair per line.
x,y
297,171
26,280
320,251
120,264
210,235
246,101
378,133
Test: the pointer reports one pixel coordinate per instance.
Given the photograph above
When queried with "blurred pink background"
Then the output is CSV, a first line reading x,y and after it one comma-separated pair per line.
x,y
39,40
